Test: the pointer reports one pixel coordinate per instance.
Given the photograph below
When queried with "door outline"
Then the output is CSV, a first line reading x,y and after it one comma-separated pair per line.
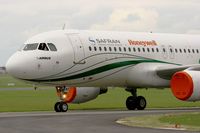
x,y
164,53
79,53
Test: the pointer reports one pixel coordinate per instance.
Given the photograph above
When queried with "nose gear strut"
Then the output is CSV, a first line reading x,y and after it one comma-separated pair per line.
x,y
61,106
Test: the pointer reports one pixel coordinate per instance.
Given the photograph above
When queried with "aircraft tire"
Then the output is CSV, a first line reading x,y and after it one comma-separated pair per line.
x,y
57,107
131,103
141,103
63,107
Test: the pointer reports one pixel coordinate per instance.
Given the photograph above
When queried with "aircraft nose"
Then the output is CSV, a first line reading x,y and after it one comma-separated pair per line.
x,y
13,66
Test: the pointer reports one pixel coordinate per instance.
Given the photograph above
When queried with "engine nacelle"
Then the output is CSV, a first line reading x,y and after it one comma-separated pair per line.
x,y
83,94
185,85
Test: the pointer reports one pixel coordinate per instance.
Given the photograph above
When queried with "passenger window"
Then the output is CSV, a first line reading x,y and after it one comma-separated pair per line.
x,y
30,47
129,49
189,50
157,49
134,49
193,51
176,50
52,47
124,49
164,50
100,49
180,50
152,49
95,48
184,50
110,49
120,49
143,49
138,49
197,50
115,48
148,49
90,48
43,47
105,49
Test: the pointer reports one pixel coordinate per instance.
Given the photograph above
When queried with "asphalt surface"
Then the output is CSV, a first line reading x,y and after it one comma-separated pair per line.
x,y
77,122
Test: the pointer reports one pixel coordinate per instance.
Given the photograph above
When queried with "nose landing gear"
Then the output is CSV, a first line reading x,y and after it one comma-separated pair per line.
x,y
61,106
135,101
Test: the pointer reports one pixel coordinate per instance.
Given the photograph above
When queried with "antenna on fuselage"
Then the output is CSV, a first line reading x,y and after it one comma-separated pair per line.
x,y
63,28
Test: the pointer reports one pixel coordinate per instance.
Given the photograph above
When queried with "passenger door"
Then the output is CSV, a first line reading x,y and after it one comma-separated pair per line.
x,y
79,54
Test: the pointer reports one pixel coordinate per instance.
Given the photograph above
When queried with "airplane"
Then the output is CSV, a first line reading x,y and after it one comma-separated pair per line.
x,y
82,64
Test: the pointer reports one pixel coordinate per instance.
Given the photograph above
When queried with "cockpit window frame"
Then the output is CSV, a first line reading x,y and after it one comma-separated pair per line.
x,y
52,47
25,48
47,47
43,48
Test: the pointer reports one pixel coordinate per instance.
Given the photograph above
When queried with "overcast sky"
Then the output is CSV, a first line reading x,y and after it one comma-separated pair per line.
x,y
21,19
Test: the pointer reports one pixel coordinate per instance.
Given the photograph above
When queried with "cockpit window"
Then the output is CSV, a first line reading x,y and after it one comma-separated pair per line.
x,y
52,47
30,47
43,46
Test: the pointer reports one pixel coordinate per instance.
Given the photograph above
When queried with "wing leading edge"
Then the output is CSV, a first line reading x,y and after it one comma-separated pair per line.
x,y
166,72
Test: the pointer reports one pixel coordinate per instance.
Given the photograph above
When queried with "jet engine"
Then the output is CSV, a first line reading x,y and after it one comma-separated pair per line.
x,y
81,94
185,85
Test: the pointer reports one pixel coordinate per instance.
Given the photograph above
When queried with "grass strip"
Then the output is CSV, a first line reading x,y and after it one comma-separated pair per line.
x,y
186,121
44,99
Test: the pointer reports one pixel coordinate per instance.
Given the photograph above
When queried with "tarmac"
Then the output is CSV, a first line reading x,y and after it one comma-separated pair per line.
x,y
84,121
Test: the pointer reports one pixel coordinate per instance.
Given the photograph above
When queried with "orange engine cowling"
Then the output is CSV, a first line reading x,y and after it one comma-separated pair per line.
x,y
82,94
185,85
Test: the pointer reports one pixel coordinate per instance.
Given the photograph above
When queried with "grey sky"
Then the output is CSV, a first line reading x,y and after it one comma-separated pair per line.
x,y
21,19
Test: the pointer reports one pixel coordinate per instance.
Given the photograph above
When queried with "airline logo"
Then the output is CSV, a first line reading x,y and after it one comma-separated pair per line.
x,y
103,41
142,43
91,40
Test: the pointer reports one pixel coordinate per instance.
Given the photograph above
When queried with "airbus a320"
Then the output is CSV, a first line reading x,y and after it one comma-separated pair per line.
x,y
83,64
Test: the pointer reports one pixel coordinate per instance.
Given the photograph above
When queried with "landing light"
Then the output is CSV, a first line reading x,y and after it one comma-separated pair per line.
x,y
64,96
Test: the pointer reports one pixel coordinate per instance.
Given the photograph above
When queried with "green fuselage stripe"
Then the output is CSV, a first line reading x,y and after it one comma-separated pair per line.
x,y
102,69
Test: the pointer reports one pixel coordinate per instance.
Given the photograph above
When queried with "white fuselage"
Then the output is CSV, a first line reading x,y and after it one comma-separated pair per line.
x,y
92,58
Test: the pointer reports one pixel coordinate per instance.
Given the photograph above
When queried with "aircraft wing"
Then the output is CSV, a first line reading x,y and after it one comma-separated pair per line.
x,y
166,72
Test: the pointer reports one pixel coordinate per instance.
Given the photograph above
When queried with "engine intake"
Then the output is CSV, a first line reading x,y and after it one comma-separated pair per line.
x,y
185,85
